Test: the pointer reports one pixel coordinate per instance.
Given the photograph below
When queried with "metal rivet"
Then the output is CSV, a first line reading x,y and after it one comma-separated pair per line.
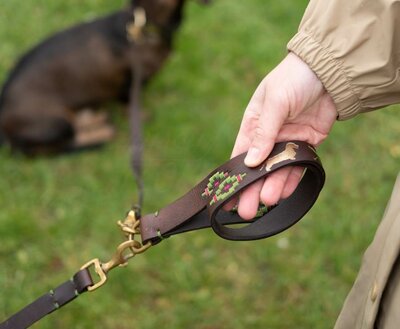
x,y
159,235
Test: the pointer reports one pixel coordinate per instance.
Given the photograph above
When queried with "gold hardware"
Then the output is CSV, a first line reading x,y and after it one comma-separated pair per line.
x,y
135,29
98,270
125,251
289,153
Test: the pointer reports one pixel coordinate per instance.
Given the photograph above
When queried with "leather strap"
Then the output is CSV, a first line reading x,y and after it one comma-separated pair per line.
x,y
50,302
202,206
135,125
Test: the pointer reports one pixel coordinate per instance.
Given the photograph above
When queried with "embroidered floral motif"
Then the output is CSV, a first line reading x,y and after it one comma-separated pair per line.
x,y
220,186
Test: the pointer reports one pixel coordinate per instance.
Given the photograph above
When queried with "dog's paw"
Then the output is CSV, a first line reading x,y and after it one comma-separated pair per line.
x,y
94,136
87,119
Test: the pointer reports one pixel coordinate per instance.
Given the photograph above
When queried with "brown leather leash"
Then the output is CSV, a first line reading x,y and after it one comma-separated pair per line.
x,y
199,208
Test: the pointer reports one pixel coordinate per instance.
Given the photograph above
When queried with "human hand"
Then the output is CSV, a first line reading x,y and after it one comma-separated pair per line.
x,y
289,104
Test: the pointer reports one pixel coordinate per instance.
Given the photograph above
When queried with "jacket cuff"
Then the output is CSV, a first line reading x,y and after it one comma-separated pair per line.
x,y
330,71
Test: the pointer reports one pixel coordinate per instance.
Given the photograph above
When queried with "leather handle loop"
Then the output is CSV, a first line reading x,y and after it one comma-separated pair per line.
x,y
201,206
284,215
288,211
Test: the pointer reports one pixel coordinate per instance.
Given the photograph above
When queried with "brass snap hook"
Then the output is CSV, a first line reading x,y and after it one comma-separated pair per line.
x,y
125,251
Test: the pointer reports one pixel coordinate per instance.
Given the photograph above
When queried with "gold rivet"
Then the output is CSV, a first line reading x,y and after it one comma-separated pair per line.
x,y
374,292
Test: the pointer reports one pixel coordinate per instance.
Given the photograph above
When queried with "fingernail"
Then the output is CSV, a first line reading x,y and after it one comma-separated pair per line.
x,y
252,157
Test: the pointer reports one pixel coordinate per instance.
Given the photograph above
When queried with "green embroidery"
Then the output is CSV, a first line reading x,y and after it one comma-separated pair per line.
x,y
220,186
214,182
261,211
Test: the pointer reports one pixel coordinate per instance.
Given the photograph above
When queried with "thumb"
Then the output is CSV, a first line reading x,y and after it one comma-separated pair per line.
x,y
272,117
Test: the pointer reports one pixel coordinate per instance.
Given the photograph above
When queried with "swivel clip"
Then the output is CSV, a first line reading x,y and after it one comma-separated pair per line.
x,y
125,251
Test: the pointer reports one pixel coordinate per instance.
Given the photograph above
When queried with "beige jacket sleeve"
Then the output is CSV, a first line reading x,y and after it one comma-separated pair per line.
x,y
354,48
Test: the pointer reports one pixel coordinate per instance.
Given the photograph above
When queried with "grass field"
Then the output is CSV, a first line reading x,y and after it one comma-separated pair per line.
x,y
58,213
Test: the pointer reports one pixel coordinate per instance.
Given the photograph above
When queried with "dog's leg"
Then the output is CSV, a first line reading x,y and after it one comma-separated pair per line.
x,y
47,132
89,119
36,134
91,129
87,138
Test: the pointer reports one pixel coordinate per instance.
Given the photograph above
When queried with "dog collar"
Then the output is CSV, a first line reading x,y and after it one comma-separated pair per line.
x,y
138,29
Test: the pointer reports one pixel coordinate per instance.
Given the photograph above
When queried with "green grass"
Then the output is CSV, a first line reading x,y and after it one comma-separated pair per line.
x,y
58,213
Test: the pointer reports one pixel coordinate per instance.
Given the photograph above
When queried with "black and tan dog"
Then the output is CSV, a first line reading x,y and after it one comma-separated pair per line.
x,y
83,67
